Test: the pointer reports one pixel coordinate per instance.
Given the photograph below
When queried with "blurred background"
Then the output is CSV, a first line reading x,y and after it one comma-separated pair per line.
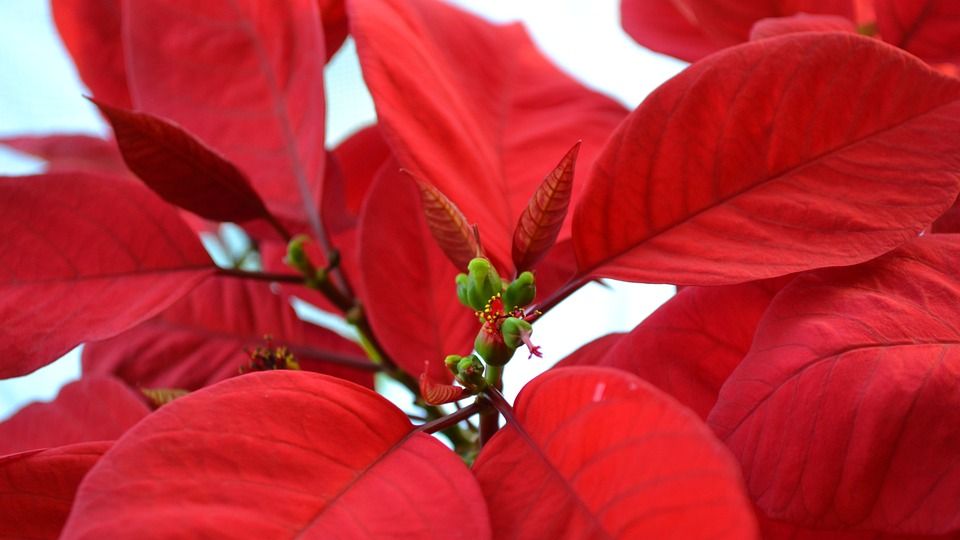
x,y
40,93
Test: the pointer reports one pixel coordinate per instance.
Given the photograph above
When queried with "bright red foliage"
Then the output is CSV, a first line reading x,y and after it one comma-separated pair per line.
x,y
284,455
801,186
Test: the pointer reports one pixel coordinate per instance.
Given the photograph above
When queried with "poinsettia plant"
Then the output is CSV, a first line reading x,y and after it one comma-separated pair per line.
x,y
797,181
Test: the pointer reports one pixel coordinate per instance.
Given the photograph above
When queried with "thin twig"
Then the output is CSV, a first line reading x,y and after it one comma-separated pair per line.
x,y
453,419
261,276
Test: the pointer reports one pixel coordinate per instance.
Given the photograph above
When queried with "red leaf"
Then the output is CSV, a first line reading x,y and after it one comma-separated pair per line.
x,y
779,530
204,338
91,31
408,283
929,29
449,228
660,26
71,153
333,15
852,382
801,22
182,169
37,488
94,408
598,453
474,108
539,224
279,455
728,22
689,346
738,169
87,258
244,76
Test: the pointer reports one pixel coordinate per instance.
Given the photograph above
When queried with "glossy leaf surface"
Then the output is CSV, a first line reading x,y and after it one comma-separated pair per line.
x,y
181,169
408,282
87,257
851,383
500,114
691,344
598,453
207,336
246,77
37,488
540,223
94,408
737,155
279,455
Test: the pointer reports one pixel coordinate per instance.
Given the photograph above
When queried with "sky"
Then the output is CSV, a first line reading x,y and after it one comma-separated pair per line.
x,y
40,93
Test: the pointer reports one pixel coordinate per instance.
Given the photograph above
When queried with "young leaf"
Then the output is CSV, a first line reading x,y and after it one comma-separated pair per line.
x,y
208,334
738,169
280,454
94,408
689,346
37,488
801,22
86,258
182,169
598,453
474,108
64,153
91,31
851,383
248,82
448,226
539,225
407,283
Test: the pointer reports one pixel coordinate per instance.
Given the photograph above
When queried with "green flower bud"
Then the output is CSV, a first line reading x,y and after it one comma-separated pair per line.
x,y
491,347
470,372
297,255
486,282
519,293
463,289
517,332
452,361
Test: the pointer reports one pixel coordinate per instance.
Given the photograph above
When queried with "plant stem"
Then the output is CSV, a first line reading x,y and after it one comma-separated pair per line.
x,y
490,417
261,276
451,419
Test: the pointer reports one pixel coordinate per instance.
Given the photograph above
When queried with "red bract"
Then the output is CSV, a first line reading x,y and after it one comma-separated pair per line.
x,y
501,115
63,153
105,256
94,408
209,336
37,488
802,187
689,346
279,455
181,169
598,453
409,280
784,171
246,78
850,385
